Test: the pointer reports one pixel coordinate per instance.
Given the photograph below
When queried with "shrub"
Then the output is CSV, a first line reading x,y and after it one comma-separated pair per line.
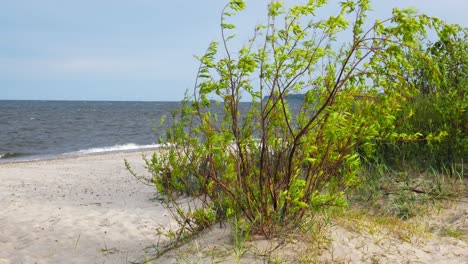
x,y
264,161
439,110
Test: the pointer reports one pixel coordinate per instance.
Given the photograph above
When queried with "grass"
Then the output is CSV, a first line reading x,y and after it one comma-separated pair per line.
x,y
454,232
240,234
387,207
238,246
406,194
362,221
314,234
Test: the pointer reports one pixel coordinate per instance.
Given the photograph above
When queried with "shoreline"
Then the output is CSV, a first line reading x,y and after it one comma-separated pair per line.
x,y
83,209
71,155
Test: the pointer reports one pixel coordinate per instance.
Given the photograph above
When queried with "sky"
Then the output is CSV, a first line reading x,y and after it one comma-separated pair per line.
x,y
128,50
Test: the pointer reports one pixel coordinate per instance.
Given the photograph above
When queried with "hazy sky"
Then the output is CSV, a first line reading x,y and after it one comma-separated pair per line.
x,y
127,49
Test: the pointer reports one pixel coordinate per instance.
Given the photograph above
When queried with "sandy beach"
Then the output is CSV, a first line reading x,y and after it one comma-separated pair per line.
x,y
90,209
76,210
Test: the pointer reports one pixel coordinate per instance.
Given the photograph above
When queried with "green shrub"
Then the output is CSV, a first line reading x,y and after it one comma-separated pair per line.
x,y
438,112
264,162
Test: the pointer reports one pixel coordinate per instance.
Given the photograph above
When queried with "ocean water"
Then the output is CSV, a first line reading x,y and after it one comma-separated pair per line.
x,y
31,130
34,130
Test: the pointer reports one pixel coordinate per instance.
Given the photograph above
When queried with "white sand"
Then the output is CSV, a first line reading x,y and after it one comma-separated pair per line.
x,y
91,210
76,210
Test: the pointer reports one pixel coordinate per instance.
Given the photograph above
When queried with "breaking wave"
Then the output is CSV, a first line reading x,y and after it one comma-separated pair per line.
x,y
116,148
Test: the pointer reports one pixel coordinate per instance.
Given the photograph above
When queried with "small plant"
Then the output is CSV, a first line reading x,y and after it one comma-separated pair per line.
x,y
403,205
203,217
452,232
240,232
313,231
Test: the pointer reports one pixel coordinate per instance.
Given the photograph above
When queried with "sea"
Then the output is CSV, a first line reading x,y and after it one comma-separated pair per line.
x,y
36,130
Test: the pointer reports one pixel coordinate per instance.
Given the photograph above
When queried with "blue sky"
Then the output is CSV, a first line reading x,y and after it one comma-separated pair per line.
x,y
127,49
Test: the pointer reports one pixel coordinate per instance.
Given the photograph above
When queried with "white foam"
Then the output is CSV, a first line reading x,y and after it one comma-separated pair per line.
x,y
126,147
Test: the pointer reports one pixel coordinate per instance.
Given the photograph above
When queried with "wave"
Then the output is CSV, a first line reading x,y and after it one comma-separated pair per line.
x,y
116,148
12,155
